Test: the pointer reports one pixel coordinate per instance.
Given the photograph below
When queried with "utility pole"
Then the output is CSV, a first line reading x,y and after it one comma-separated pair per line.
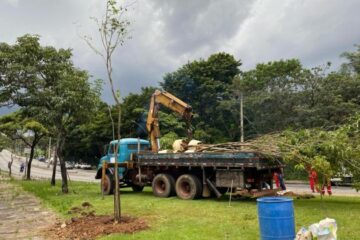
x,y
241,117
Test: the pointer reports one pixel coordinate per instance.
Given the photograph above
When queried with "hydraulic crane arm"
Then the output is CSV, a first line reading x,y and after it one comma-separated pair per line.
x,y
170,101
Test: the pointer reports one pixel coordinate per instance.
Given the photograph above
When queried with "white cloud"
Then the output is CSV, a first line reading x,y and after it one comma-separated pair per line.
x,y
314,31
13,2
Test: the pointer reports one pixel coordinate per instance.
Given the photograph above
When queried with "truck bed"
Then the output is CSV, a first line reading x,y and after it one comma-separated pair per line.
x,y
207,159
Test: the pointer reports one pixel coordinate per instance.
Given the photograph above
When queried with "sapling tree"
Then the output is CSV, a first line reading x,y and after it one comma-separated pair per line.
x,y
113,31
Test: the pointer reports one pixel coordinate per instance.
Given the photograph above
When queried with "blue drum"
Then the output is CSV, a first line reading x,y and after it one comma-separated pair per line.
x,y
276,218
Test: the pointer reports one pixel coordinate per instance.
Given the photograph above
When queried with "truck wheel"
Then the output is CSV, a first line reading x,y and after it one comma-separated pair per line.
x,y
188,187
137,188
108,186
163,185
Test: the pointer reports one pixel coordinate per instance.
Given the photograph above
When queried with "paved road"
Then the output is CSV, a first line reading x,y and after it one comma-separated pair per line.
x,y
336,190
40,170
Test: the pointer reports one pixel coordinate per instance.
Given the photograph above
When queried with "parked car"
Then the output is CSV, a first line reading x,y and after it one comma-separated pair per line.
x,y
42,158
82,165
342,178
85,166
69,165
345,179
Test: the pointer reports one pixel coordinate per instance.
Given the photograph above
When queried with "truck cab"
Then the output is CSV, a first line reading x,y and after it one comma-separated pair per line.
x,y
126,147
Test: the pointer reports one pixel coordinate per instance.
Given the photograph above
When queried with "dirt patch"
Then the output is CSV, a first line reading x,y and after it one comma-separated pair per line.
x,y
91,226
86,204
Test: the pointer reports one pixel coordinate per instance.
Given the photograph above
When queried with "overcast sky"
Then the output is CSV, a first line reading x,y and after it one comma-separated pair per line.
x,y
168,33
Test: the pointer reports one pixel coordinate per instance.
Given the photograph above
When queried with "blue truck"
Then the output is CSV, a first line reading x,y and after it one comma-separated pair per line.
x,y
187,175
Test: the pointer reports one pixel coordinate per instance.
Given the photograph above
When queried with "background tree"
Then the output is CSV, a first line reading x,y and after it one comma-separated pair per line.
x,y
86,139
44,82
72,101
270,91
328,152
5,142
284,94
17,126
205,85
353,61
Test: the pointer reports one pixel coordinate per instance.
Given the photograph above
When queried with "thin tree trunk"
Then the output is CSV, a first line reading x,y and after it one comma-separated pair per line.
x,y
12,160
53,178
28,170
64,185
117,203
10,164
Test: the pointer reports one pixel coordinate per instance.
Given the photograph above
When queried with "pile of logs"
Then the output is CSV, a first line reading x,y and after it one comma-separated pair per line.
x,y
259,145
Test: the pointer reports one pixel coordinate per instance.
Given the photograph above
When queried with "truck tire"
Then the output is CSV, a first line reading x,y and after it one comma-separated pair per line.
x,y
137,188
188,187
108,185
163,185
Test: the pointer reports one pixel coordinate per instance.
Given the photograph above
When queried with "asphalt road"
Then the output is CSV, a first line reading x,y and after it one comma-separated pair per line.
x,y
336,190
40,170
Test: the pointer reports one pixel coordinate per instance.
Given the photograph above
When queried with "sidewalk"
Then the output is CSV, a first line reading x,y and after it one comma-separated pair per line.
x,y
21,214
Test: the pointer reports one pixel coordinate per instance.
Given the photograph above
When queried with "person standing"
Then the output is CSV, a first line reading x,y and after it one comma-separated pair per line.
x,y
276,179
326,182
22,167
313,180
281,180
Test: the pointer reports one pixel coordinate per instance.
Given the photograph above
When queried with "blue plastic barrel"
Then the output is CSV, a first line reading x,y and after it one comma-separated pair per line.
x,y
276,218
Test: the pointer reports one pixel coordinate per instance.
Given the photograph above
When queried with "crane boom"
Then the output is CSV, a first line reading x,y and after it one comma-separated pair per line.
x,y
173,103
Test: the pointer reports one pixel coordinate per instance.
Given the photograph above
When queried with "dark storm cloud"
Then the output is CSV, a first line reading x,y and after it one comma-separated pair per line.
x,y
190,26
168,33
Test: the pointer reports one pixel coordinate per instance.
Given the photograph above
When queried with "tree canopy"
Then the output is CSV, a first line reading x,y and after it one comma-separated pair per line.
x,y
43,81
205,85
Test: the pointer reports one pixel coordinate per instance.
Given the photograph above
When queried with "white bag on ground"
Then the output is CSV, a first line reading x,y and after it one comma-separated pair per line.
x,y
324,230
327,229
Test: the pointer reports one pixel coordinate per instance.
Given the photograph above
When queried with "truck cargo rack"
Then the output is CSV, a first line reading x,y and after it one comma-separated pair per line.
x,y
201,159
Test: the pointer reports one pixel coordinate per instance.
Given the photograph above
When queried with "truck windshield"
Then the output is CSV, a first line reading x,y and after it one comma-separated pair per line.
x,y
135,147
111,149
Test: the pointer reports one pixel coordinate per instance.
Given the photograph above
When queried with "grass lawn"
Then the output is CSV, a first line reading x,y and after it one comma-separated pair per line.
x,y
173,219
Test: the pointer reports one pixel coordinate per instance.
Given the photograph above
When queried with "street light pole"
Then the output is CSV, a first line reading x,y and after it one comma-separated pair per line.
x,y
241,118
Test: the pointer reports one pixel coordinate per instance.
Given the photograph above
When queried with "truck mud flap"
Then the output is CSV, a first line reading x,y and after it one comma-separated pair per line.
x,y
213,188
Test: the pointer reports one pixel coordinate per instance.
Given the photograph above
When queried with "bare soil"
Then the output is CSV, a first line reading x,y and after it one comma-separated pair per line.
x,y
92,226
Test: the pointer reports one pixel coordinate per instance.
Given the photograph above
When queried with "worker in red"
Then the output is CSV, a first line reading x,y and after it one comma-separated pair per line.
x,y
279,179
313,180
328,186
276,179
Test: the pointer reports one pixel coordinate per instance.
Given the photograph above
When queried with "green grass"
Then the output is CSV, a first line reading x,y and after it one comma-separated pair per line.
x,y
173,219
